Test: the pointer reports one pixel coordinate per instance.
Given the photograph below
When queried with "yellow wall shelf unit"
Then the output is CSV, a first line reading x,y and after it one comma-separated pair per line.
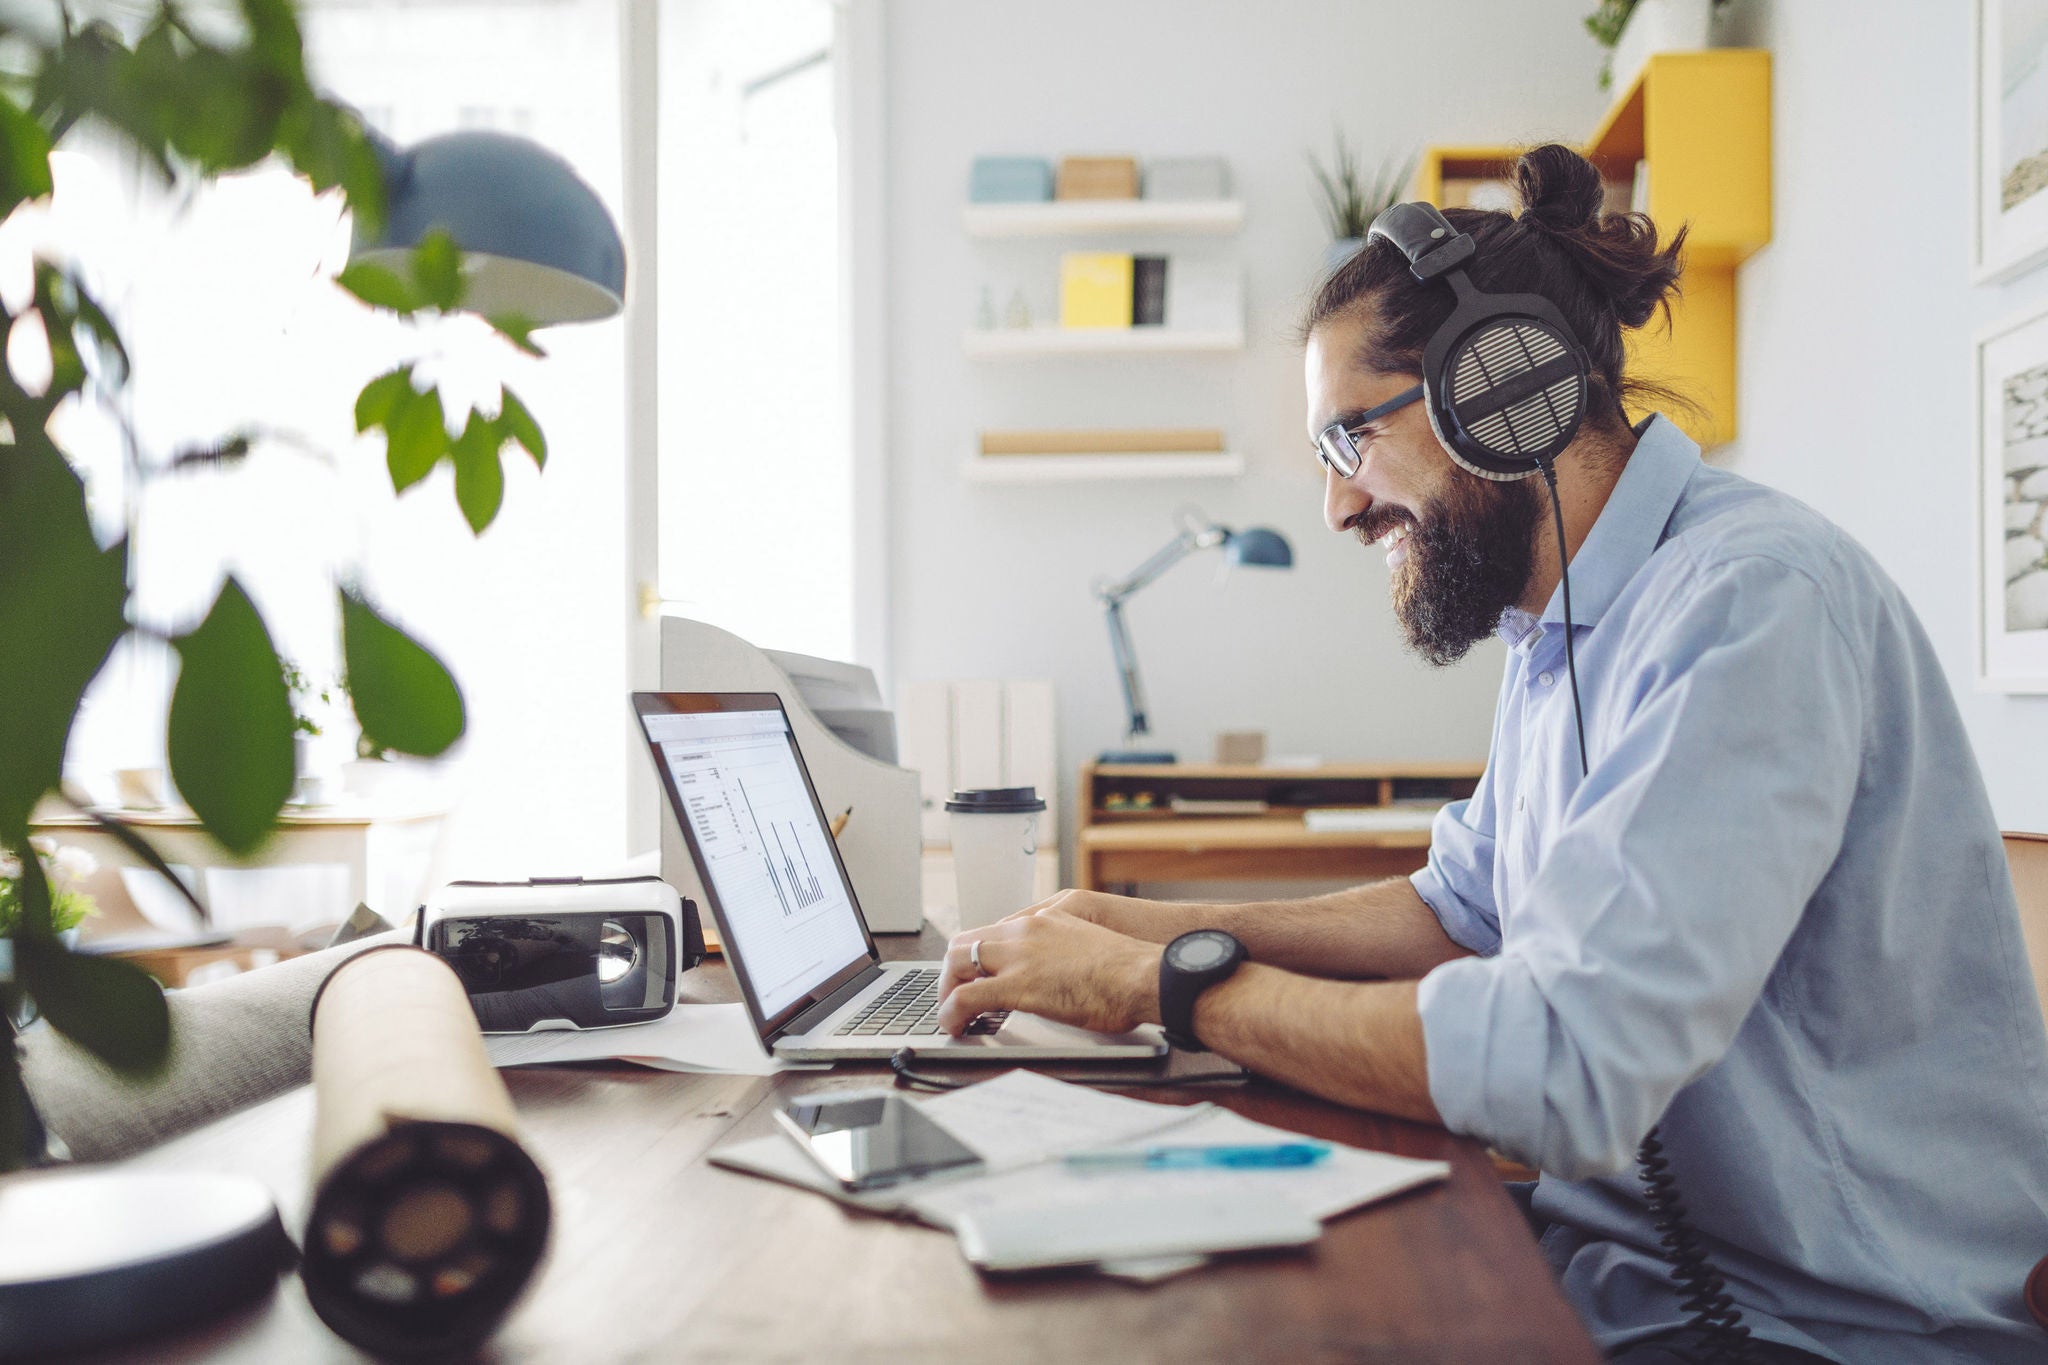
x,y
1700,122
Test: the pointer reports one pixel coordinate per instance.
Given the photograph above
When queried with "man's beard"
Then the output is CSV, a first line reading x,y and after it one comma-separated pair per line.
x,y
1470,555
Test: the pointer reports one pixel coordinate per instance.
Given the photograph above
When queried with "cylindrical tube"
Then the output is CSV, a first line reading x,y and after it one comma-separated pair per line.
x,y
428,1216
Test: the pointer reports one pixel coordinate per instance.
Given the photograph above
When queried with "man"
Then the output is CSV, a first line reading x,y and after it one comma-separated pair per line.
x,y
1771,920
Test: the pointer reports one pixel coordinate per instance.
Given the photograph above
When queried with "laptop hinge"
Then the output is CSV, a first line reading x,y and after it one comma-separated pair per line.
x,y
824,1009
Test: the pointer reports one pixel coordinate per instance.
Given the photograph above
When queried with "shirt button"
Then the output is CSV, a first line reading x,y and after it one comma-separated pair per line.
x,y
1546,678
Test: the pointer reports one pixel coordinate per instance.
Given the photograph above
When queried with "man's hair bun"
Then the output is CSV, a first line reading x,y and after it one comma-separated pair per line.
x,y
1563,197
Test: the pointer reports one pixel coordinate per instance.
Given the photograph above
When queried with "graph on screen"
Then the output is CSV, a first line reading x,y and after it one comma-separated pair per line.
x,y
784,904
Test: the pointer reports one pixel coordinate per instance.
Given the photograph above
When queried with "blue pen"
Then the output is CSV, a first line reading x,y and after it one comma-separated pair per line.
x,y
1188,1158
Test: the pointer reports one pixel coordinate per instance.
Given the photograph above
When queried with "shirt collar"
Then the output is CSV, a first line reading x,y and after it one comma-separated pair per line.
x,y
1627,531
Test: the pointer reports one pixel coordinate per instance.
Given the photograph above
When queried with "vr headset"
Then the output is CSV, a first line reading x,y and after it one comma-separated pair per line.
x,y
562,952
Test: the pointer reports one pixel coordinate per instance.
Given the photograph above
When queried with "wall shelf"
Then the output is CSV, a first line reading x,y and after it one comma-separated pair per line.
x,y
1194,464
1089,217
1027,342
1701,124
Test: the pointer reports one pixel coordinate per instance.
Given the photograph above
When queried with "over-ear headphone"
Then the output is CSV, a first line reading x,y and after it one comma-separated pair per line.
x,y
1504,378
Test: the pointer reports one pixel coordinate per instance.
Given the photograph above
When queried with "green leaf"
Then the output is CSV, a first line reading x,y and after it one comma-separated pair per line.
x,y
62,600
415,439
479,475
519,425
113,354
381,397
24,157
56,301
230,733
14,1121
518,330
437,270
112,1009
404,697
378,287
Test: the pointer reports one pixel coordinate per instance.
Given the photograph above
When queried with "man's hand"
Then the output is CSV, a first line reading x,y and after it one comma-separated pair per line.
x,y
1049,962
1152,921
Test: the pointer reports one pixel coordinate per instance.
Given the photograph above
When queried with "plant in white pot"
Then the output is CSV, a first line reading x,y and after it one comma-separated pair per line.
x,y
1634,30
1350,200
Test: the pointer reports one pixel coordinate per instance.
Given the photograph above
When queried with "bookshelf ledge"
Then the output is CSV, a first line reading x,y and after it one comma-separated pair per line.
x,y
1077,217
1204,464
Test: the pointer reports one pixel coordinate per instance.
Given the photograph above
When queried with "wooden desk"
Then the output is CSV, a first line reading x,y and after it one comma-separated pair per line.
x,y
1119,844
659,1256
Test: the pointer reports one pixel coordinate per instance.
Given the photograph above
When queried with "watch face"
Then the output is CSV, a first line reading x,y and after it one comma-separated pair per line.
x,y
1199,951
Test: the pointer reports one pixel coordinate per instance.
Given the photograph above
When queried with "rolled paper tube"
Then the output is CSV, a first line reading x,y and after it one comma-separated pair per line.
x,y
428,1216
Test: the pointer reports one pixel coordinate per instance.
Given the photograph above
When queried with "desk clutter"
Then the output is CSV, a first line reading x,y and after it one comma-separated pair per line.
x,y
1128,1209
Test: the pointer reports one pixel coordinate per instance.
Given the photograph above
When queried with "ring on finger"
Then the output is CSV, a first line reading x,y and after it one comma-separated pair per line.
x,y
974,957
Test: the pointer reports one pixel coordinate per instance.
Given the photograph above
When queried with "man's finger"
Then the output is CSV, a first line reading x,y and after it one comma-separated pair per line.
x,y
969,1000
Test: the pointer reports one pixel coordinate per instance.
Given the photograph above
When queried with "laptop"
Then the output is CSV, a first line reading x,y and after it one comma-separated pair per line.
x,y
815,986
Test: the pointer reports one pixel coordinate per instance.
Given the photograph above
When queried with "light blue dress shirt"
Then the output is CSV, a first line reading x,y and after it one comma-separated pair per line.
x,y
1776,917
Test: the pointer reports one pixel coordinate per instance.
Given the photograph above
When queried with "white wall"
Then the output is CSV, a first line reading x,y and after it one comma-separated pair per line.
x,y
995,580
1856,324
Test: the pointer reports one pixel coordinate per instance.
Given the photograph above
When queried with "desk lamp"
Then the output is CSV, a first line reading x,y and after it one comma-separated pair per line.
x,y
535,239
1256,546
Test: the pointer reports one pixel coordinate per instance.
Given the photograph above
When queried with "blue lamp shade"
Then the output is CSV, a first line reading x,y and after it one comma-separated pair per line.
x,y
1260,547
535,239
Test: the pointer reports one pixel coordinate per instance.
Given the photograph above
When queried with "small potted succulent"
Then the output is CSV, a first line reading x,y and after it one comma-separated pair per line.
x,y
1350,200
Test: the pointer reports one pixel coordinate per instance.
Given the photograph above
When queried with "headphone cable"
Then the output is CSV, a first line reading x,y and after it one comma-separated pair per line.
x,y
1704,1294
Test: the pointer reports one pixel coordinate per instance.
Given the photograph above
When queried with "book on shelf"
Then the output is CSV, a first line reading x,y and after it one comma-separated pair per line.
x,y
1097,177
1148,291
1104,441
1095,289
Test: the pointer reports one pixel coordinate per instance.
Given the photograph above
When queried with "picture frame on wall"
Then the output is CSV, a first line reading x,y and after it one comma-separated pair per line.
x,y
2010,88
2012,504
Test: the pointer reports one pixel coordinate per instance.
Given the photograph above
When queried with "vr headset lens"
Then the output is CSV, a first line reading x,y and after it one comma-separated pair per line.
x,y
590,970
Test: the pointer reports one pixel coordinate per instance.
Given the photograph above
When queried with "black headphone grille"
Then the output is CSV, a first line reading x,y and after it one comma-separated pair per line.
x,y
1502,400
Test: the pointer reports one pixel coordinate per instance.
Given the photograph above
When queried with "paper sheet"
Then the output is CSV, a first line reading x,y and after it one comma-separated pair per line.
x,y
716,1038
1023,1123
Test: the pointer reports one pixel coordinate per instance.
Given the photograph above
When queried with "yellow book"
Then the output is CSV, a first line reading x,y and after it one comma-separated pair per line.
x,y
1095,289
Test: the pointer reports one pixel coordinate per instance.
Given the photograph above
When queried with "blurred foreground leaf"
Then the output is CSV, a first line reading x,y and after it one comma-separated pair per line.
x,y
404,697
479,475
520,426
230,736
112,1009
61,604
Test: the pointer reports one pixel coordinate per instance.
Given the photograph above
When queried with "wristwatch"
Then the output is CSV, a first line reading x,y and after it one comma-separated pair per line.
x,y
1190,965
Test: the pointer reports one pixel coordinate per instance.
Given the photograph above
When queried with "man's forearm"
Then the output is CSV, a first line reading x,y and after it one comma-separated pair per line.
x,y
1359,1043
1382,929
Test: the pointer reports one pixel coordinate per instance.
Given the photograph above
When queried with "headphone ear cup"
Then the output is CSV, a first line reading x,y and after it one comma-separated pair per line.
x,y
1509,395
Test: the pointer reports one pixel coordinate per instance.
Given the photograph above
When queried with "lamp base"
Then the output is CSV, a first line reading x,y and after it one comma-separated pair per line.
x,y
1136,756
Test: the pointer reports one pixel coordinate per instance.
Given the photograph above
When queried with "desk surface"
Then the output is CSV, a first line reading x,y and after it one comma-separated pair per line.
x,y
659,1255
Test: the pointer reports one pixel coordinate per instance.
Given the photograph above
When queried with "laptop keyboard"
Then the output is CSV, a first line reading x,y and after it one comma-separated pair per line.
x,y
911,1006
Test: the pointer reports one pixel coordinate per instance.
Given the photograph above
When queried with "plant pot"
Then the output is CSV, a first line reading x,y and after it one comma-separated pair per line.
x,y
1659,26
1338,252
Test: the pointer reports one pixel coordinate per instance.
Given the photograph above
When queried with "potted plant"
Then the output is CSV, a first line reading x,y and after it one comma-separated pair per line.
x,y
312,787
194,102
1633,30
1350,200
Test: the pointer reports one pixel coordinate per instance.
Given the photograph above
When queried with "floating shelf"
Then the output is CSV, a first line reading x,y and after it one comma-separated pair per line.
x,y
1194,464
1701,122
1021,342
1084,217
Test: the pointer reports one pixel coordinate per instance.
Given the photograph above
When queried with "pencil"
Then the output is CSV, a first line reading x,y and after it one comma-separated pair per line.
x,y
839,821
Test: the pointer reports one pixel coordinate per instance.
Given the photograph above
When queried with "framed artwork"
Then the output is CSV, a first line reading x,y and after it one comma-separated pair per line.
x,y
2012,505
2011,87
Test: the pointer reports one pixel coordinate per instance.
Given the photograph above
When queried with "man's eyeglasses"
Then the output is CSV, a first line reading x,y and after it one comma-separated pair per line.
x,y
1337,447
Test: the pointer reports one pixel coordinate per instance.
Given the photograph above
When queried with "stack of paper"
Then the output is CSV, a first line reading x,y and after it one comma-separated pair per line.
x,y
1024,1124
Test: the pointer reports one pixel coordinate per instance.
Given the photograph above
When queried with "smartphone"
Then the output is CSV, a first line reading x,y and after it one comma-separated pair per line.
x,y
868,1140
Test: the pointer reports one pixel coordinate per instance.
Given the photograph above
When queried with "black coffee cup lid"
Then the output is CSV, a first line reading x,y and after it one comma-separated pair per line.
x,y
996,801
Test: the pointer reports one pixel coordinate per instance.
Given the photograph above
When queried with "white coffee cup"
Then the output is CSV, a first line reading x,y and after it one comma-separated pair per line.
x,y
995,851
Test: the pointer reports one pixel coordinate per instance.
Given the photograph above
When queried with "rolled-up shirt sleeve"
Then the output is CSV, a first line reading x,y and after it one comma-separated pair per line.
x,y
1457,882
1719,791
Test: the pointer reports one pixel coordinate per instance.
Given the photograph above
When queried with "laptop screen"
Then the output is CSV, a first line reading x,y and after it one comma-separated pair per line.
x,y
792,928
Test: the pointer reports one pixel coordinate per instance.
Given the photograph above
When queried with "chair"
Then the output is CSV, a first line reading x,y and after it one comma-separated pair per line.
x,y
2027,856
